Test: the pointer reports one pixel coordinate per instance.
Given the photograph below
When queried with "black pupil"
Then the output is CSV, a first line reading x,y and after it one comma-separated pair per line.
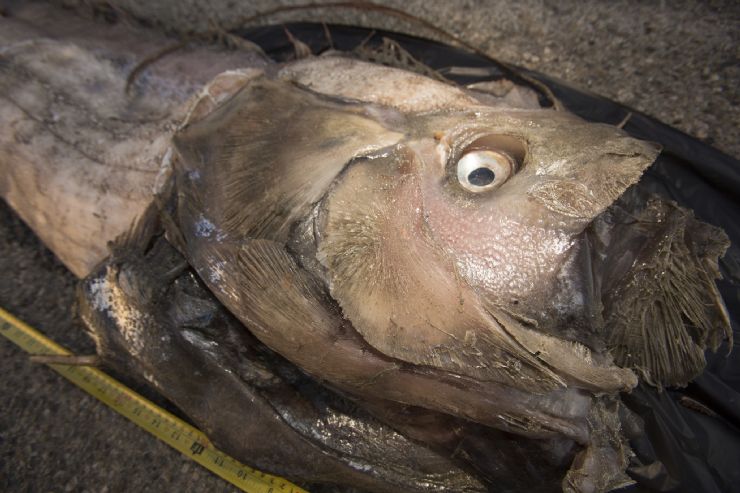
x,y
481,177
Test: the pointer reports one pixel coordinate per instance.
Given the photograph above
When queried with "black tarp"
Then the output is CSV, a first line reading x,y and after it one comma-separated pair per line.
x,y
694,432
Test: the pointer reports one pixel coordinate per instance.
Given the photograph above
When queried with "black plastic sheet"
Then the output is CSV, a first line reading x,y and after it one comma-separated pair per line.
x,y
694,432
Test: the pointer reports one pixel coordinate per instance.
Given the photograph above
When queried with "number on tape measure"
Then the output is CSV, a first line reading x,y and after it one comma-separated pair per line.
x,y
167,427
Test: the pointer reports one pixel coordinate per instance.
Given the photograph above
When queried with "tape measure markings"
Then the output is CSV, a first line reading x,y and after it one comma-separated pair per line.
x,y
165,426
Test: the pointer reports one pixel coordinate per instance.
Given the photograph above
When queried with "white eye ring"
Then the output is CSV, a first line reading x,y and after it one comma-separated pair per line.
x,y
481,171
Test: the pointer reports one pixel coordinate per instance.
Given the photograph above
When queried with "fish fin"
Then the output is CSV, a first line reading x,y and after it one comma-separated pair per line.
x,y
666,310
273,146
283,306
301,50
390,53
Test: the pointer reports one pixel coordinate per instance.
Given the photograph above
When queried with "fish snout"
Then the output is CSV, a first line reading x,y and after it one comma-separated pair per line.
x,y
586,189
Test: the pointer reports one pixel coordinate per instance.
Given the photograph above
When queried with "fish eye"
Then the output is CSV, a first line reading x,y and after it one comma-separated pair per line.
x,y
489,161
481,171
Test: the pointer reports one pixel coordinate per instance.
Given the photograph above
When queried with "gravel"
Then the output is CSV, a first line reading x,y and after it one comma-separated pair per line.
x,y
677,61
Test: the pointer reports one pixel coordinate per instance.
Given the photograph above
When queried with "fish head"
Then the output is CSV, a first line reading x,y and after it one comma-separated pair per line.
x,y
450,237
473,225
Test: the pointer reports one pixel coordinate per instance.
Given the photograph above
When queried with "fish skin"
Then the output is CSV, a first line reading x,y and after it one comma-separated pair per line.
x,y
530,356
78,155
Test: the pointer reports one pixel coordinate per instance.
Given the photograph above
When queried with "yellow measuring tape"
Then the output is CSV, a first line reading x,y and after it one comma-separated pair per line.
x,y
169,428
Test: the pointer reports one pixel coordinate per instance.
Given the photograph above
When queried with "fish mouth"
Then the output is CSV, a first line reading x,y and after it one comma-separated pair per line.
x,y
637,292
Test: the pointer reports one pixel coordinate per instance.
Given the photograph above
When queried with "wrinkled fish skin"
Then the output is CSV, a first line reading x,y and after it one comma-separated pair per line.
x,y
447,312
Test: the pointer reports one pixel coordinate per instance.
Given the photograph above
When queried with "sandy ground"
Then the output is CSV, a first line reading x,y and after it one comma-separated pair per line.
x,y
677,61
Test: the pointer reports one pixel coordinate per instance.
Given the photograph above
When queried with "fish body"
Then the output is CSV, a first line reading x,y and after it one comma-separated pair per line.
x,y
463,267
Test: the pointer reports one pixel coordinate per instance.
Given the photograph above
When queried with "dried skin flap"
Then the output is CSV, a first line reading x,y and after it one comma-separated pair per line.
x,y
576,363
665,311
